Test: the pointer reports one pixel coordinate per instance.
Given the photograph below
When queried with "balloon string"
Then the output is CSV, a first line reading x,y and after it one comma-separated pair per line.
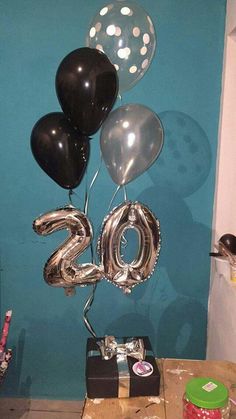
x,y
88,191
113,197
121,99
125,193
70,195
87,307
90,299
123,241
86,188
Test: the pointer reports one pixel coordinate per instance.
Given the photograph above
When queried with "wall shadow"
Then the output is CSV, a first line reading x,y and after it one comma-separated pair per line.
x,y
56,355
185,243
178,334
186,158
50,364
13,383
180,171
131,324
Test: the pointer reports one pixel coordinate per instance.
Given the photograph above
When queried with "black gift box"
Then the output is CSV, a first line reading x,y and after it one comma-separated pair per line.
x,y
104,379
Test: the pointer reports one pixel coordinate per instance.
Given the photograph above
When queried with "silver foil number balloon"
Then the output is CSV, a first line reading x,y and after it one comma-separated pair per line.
x,y
126,34
61,270
129,215
131,139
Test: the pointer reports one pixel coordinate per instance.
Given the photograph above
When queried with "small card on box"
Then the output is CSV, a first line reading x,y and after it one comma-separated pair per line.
x,y
112,378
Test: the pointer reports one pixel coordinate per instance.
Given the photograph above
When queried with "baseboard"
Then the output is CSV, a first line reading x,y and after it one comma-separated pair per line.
x,y
24,405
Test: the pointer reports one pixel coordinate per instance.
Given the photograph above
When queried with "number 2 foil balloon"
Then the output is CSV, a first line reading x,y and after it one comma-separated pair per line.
x,y
61,270
129,215
126,34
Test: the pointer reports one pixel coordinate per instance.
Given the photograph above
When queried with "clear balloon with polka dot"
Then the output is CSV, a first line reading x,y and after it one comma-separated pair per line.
x,y
125,33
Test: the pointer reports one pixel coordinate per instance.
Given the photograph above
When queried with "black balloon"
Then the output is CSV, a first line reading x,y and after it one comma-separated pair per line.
x,y
87,87
229,241
60,150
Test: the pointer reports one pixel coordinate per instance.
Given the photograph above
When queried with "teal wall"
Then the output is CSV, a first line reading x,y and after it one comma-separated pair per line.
x,y
183,87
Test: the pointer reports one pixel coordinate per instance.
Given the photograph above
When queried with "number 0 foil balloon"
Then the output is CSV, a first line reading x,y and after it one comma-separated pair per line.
x,y
61,269
129,215
126,34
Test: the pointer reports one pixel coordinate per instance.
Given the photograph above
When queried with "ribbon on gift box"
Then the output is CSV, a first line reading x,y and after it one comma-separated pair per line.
x,y
121,348
133,347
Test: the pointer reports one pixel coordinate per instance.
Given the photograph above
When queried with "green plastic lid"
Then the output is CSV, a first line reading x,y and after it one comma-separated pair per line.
x,y
207,392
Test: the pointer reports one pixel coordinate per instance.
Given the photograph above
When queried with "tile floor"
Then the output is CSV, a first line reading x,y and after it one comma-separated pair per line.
x,y
40,409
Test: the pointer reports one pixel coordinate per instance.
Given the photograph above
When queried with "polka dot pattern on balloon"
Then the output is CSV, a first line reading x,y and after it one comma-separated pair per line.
x,y
123,53
136,31
143,50
126,34
118,31
98,26
133,69
146,38
125,11
92,32
104,11
111,30
99,47
145,63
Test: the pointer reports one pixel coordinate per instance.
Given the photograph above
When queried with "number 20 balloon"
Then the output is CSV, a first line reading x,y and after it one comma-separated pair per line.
x,y
61,269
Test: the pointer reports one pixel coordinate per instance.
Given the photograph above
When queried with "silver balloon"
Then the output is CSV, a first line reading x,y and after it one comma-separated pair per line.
x,y
61,270
129,215
131,139
126,34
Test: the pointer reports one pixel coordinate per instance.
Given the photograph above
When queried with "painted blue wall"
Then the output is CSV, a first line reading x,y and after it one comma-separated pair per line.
x,y
183,87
